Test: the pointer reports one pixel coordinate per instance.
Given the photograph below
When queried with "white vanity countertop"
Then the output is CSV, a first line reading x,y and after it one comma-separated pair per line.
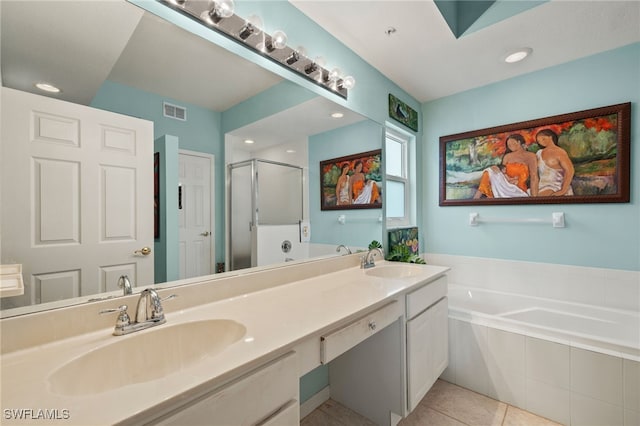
x,y
276,320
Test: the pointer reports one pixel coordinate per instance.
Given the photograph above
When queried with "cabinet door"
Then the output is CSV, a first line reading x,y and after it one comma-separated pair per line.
x,y
418,371
440,337
427,351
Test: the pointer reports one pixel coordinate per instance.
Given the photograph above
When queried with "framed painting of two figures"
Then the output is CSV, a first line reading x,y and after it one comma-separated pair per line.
x,y
579,157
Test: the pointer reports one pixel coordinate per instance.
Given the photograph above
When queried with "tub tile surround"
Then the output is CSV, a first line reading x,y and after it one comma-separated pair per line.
x,y
280,308
568,382
609,288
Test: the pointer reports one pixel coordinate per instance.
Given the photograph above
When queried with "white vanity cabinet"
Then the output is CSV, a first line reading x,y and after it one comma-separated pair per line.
x,y
427,338
266,396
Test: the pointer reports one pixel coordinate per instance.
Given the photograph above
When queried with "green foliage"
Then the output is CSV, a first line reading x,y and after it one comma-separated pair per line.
x,y
587,144
375,244
402,253
331,177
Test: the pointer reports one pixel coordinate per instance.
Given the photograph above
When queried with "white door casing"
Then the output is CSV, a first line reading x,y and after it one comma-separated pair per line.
x,y
77,196
195,213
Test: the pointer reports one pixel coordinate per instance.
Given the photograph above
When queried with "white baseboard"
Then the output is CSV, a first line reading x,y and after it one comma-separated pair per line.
x,y
314,402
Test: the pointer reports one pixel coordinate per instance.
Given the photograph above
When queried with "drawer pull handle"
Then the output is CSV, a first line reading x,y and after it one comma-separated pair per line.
x,y
372,325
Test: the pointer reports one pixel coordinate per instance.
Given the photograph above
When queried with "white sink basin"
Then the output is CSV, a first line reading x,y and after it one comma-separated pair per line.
x,y
145,355
402,270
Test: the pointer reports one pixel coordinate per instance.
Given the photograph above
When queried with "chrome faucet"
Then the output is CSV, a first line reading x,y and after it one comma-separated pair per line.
x,y
149,307
149,313
125,285
366,261
347,249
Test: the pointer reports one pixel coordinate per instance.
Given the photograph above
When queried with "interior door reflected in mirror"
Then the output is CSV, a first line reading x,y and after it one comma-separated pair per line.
x,y
135,71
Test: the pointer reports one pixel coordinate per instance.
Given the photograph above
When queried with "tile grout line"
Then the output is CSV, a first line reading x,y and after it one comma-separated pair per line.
x,y
446,415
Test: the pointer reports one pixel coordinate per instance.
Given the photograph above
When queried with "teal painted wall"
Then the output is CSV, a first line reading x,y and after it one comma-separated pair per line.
x,y
277,98
167,256
360,228
313,382
597,235
201,132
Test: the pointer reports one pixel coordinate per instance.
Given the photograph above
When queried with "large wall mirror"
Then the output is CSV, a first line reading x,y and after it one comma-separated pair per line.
x,y
204,103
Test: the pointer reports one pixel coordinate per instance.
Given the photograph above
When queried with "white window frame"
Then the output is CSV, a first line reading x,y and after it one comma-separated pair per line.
x,y
404,139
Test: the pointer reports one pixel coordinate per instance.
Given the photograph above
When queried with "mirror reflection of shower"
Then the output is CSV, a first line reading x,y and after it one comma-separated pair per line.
x,y
265,212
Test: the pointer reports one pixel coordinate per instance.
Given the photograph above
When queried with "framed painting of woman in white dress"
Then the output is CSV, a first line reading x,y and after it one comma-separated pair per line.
x,y
351,182
580,157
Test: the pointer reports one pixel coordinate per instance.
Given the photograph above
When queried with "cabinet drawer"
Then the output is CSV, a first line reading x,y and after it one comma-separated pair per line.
x,y
256,397
425,296
337,342
286,416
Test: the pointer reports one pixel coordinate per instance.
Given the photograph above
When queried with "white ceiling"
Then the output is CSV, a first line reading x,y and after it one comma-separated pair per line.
x,y
425,59
57,41
77,45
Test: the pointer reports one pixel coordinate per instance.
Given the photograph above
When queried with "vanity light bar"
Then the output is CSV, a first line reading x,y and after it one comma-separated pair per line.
x,y
245,33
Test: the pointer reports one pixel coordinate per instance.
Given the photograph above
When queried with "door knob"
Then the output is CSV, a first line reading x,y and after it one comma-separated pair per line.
x,y
205,234
145,251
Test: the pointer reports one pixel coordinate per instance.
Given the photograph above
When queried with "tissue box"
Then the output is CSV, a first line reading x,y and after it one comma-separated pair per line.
x,y
11,283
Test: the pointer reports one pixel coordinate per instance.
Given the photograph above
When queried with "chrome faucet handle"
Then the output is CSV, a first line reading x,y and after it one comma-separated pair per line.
x,y
123,316
125,284
169,297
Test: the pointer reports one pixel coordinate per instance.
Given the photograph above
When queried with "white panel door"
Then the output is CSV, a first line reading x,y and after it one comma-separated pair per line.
x,y
195,214
77,196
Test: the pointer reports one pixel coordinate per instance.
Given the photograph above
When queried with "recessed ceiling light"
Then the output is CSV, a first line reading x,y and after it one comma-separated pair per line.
x,y
48,87
337,115
249,141
290,151
518,55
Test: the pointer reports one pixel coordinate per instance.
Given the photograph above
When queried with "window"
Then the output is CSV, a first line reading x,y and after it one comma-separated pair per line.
x,y
398,174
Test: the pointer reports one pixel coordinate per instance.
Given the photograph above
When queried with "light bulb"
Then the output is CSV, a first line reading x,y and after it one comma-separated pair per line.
x,y
257,23
279,39
218,9
302,51
225,7
334,75
348,82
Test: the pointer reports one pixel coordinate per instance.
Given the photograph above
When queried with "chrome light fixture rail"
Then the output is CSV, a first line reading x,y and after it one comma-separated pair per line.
x,y
218,16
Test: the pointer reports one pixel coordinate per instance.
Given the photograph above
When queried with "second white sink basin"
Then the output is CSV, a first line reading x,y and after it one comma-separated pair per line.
x,y
144,356
402,270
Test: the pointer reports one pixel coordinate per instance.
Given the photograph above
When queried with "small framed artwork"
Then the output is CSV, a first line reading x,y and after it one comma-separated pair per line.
x,y
351,182
403,113
156,195
580,157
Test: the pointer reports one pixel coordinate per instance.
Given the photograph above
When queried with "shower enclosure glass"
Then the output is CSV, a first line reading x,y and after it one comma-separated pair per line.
x,y
261,193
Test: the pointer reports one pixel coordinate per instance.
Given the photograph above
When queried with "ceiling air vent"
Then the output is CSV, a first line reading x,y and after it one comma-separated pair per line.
x,y
174,111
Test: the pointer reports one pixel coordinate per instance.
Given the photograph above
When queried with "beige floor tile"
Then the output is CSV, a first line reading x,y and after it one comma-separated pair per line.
x,y
445,405
464,405
320,418
518,417
425,416
344,414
